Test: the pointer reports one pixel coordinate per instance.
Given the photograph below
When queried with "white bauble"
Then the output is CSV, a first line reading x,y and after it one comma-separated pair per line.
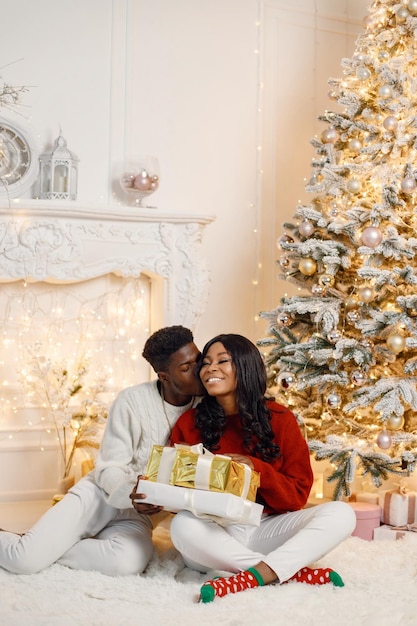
x,y
412,6
371,236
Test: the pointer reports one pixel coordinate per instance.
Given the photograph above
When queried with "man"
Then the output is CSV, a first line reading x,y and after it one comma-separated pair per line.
x,y
95,527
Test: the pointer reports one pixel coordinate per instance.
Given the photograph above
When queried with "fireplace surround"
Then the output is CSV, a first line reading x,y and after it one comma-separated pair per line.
x,y
65,243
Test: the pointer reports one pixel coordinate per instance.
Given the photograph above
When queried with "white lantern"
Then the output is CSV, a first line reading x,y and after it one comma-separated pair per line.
x,y
59,172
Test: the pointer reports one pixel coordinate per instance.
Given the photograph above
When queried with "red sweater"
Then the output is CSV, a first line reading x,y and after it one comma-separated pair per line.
x,y
286,481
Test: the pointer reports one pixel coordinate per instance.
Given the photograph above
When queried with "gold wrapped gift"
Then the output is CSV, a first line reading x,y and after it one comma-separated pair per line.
x,y
196,468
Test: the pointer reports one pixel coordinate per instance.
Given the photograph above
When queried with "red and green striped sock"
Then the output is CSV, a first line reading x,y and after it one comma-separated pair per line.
x,y
220,587
317,576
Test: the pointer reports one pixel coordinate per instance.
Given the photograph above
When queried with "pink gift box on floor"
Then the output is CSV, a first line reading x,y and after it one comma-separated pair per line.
x,y
368,517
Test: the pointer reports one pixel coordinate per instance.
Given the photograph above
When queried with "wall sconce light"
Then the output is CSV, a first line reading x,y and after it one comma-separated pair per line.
x,y
59,172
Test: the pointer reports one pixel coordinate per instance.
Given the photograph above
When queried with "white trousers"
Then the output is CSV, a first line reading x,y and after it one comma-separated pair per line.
x,y
284,542
83,532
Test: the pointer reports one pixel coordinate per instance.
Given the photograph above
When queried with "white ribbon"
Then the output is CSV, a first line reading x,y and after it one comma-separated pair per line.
x,y
202,470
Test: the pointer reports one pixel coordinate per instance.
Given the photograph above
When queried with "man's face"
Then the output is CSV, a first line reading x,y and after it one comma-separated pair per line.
x,y
181,375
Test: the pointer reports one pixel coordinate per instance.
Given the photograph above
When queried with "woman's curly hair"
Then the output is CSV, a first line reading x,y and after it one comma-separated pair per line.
x,y
254,415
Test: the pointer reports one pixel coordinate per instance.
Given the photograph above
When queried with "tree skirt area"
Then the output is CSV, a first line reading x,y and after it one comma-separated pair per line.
x,y
380,588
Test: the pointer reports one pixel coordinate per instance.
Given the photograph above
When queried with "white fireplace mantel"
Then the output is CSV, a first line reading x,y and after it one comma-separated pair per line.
x,y
64,242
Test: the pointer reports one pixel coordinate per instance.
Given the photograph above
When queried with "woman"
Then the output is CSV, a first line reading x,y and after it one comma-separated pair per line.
x,y
234,418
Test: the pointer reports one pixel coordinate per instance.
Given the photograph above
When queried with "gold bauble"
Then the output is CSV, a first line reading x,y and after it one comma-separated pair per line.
x,y
366,294
351,302
307,266
395,422
396,343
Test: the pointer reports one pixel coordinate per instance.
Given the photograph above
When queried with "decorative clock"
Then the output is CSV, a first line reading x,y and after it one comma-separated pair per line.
x,y
19,163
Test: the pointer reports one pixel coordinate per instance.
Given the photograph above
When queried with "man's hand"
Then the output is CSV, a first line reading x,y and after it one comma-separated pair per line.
x,y
145,508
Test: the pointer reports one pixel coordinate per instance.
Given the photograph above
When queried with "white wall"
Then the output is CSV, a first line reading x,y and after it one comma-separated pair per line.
x,y
225,93
202,84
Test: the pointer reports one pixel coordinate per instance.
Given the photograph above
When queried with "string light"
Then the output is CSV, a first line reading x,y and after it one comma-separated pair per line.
x,y
65,322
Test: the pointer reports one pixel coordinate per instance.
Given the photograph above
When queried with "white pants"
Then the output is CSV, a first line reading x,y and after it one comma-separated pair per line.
x,y
83,532
284,542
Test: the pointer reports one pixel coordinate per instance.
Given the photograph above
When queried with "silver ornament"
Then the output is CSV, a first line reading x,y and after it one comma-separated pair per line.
x,y
284,319
284,239
286,380
334,335
359,378
284,262
326,280
333,400
353,317
317,290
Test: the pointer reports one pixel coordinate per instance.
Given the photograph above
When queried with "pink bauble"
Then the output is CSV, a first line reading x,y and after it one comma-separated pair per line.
x,y
330,135
371,237
142,181
383,440
306,228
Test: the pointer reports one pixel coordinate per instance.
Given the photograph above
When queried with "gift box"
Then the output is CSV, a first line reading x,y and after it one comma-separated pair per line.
x,y
398,507
194,467
224,508
367,519
393,533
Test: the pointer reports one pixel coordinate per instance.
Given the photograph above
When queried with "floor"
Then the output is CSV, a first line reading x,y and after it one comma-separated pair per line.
x,y
20,516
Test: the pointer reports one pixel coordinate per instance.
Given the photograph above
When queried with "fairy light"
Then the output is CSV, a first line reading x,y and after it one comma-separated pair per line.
x,y
76,324
256,206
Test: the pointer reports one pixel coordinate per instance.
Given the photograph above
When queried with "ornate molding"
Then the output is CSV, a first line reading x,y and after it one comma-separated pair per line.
x,y
63,243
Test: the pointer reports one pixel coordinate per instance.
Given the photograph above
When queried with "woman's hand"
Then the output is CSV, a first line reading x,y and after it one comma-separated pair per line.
x,y
239,458
145,508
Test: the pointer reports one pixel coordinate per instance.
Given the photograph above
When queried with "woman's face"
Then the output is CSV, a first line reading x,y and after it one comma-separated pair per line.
x,y
217,372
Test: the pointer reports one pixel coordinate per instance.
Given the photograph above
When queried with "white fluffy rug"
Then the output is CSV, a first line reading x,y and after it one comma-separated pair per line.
x,y
380,589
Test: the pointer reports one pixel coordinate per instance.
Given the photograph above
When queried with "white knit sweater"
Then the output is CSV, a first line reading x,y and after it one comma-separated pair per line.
x,y
137,420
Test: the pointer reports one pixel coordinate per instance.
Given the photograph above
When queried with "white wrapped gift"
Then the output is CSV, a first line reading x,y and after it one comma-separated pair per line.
x,y
393,533
224,508
399,507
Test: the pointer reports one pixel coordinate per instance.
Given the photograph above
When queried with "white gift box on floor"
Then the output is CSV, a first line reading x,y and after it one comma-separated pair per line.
x,y
398,509
224,508
393,533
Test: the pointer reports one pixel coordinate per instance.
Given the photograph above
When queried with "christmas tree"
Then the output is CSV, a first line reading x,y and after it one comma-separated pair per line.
x,y
343,353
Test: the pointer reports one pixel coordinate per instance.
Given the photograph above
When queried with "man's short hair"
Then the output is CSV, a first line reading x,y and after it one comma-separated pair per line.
x,y
162,344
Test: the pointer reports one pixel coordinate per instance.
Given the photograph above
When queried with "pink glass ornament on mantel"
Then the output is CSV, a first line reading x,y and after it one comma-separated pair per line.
x,y
139,179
